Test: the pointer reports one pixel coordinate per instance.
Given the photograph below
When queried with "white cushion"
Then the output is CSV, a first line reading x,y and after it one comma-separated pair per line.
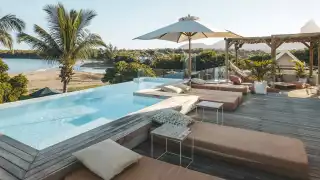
x,y
107,158
170,88
172,117
198,81
185,88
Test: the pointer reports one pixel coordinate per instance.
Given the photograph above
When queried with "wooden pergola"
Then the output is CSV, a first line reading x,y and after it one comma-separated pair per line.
x,y
275,41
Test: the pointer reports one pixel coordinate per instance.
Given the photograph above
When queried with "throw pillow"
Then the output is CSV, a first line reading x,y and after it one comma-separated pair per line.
x,y
172,117
107,158
235,79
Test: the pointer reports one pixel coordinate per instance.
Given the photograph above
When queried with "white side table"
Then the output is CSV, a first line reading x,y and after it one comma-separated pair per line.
x,y
211,105
173,133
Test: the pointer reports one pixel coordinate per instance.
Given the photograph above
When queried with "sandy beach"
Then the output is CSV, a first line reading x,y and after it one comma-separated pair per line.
x,y
50,78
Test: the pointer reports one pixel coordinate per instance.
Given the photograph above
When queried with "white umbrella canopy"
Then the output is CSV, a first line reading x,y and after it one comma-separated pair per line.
x,y
186,29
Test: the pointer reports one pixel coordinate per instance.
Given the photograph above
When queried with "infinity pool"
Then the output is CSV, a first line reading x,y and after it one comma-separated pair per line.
x,y
43,122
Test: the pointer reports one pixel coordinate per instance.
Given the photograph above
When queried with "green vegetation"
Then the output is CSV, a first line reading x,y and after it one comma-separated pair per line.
x,y
9,23
67,40
300,69
11,89
30,54
259,69
124,71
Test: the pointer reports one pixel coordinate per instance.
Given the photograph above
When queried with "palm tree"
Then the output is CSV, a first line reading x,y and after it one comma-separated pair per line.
x,y
9,23
67,40
110,53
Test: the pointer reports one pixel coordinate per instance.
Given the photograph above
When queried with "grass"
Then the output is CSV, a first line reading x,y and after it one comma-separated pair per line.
x,y
71,89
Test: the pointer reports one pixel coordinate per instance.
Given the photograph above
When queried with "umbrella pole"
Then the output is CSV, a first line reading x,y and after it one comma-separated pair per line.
x,y
189,66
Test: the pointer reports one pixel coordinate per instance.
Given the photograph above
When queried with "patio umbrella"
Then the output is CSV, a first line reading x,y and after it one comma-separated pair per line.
x,y
185,29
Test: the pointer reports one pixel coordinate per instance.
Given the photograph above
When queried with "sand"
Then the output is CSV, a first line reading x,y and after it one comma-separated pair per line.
x,y
50,78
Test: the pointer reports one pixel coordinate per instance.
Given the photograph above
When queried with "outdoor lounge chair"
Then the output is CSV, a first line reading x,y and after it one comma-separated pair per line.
x,y
146,169
223,87
230,100
273,153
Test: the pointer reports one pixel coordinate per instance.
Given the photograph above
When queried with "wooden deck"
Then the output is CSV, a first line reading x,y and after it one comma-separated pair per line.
x,y
21,162
299,118
293,117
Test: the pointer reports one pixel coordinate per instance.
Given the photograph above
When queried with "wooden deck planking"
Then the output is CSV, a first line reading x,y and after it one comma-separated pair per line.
x,y
59,159
292,117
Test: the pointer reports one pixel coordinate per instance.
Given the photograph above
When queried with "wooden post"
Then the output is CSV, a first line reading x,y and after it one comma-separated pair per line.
x,y
319,64
311,60
273,57
236,49
226,60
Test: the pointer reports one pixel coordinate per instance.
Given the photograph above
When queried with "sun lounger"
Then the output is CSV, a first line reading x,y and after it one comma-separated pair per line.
x,y
223,87
146,169
230,100
272,153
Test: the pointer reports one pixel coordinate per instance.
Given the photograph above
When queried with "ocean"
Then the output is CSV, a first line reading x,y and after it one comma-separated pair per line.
x,y
29,65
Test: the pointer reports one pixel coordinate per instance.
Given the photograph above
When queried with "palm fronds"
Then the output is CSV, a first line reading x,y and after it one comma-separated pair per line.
x,y
67,40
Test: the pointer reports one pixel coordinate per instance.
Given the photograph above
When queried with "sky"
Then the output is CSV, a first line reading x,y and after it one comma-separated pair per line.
x,y
119,21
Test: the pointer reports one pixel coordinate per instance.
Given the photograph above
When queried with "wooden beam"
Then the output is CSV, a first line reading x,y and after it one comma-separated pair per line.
x,y
311,60
226,61
231,43
306,44
279,44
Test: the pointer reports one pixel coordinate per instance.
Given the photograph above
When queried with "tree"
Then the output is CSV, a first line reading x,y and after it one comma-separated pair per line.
x,y
11,89
9,23
110,53
67,40
123,72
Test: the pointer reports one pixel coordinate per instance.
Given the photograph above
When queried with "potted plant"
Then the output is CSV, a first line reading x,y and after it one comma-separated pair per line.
x,y
260,69
300,71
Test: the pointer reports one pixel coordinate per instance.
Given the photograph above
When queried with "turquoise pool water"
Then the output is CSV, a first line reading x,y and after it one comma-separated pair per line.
x,y
43,122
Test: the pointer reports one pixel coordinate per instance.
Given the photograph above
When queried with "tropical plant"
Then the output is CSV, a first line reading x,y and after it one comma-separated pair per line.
x,y
124,71
9,23
299,67
11,89
260,69
110,53
67,40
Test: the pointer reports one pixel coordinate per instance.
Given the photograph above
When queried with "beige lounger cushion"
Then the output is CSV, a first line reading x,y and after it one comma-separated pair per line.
x,y
147,169
172,117
107,158
184,88
197,81
170,88
281,153
223,87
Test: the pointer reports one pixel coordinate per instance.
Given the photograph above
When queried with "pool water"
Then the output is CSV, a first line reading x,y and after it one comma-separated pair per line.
x,y
43,122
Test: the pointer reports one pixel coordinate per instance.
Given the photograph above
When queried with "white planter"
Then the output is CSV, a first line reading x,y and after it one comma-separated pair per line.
x,y
303,80
260,87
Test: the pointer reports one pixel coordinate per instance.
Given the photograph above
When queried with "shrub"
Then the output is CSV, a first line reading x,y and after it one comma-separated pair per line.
x,y
124,71
260,69
11,89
